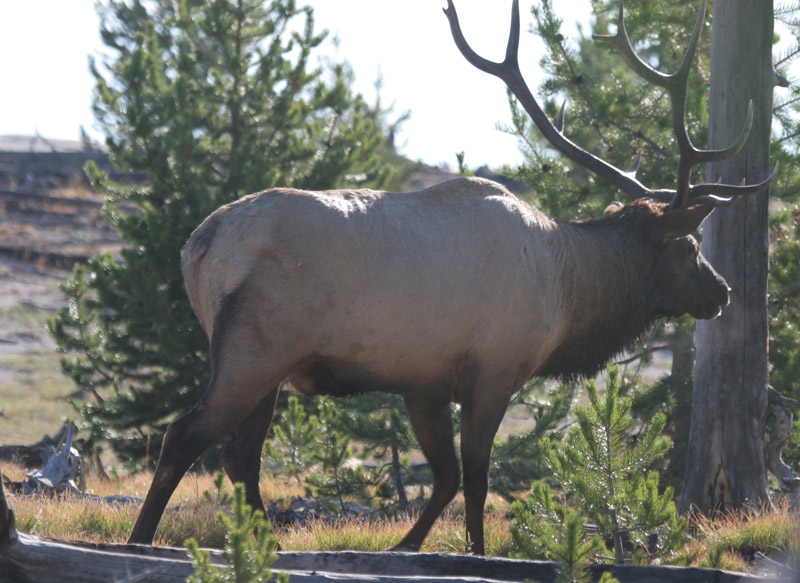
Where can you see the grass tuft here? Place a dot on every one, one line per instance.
(731, 540)
(342, 534)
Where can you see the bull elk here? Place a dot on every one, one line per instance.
(457, 293)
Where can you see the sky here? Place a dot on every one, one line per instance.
(46, 86)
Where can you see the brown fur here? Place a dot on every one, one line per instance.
(460, 292)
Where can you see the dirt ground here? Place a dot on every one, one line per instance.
(41, 237)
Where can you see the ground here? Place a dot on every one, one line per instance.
(40, 239)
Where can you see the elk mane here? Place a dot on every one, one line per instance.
(599, 333)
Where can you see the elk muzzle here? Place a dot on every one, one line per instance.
(716, 294)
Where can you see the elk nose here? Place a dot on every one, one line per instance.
(724, 295)
(717, 297)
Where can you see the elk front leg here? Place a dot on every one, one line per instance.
(434, 430)
(479, 424)
(241, 458)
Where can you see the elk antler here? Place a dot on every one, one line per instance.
(676, 85)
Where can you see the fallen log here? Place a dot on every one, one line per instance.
(62, 472)
(31, 559)
(32, 456)
(420, 565)
(34, 559)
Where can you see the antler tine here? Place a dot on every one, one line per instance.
(512, 48)
(676, 85)
(635, 167)
(622, 43)
(561, 113)
(509, 72)
(738, 144)
(474, 58)
(724, 194)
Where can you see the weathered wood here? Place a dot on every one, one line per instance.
(31, 456)
(34, 559)
(63, 471)
(780, 409)
(725, 465)
(8, 528)
(485, 568)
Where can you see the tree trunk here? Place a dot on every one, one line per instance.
(725, 464)
(682, 375)
(397, 476)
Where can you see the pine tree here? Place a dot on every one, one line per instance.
(295, 443)
(380, 422)
(247, 557)
(784, 318)
(543, 528)
(606, 477)
(338, 479)
(209, 100)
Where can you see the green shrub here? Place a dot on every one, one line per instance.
(604, 480)
(247, 557)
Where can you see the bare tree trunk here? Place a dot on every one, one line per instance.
(397, 476)
(682, 375)
(725, 464)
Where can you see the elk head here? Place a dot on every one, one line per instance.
(694, 287)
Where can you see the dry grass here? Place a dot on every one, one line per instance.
(75, 518)
(193, 513)
(730, 541)
(446, 536)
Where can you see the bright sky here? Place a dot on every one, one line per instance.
(44, 48)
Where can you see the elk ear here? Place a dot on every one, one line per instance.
(679, 223)
(613, 207)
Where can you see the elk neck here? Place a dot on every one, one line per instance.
(609, 292)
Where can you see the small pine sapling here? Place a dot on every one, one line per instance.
(544, 528)
(338, 480)
(380, 423)
(219, 496)
(607, 479)
(295, 445)
(247, 558)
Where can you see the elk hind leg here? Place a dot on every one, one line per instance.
(241, 458)
(434, 430)
(186, 438)
(231, 397)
